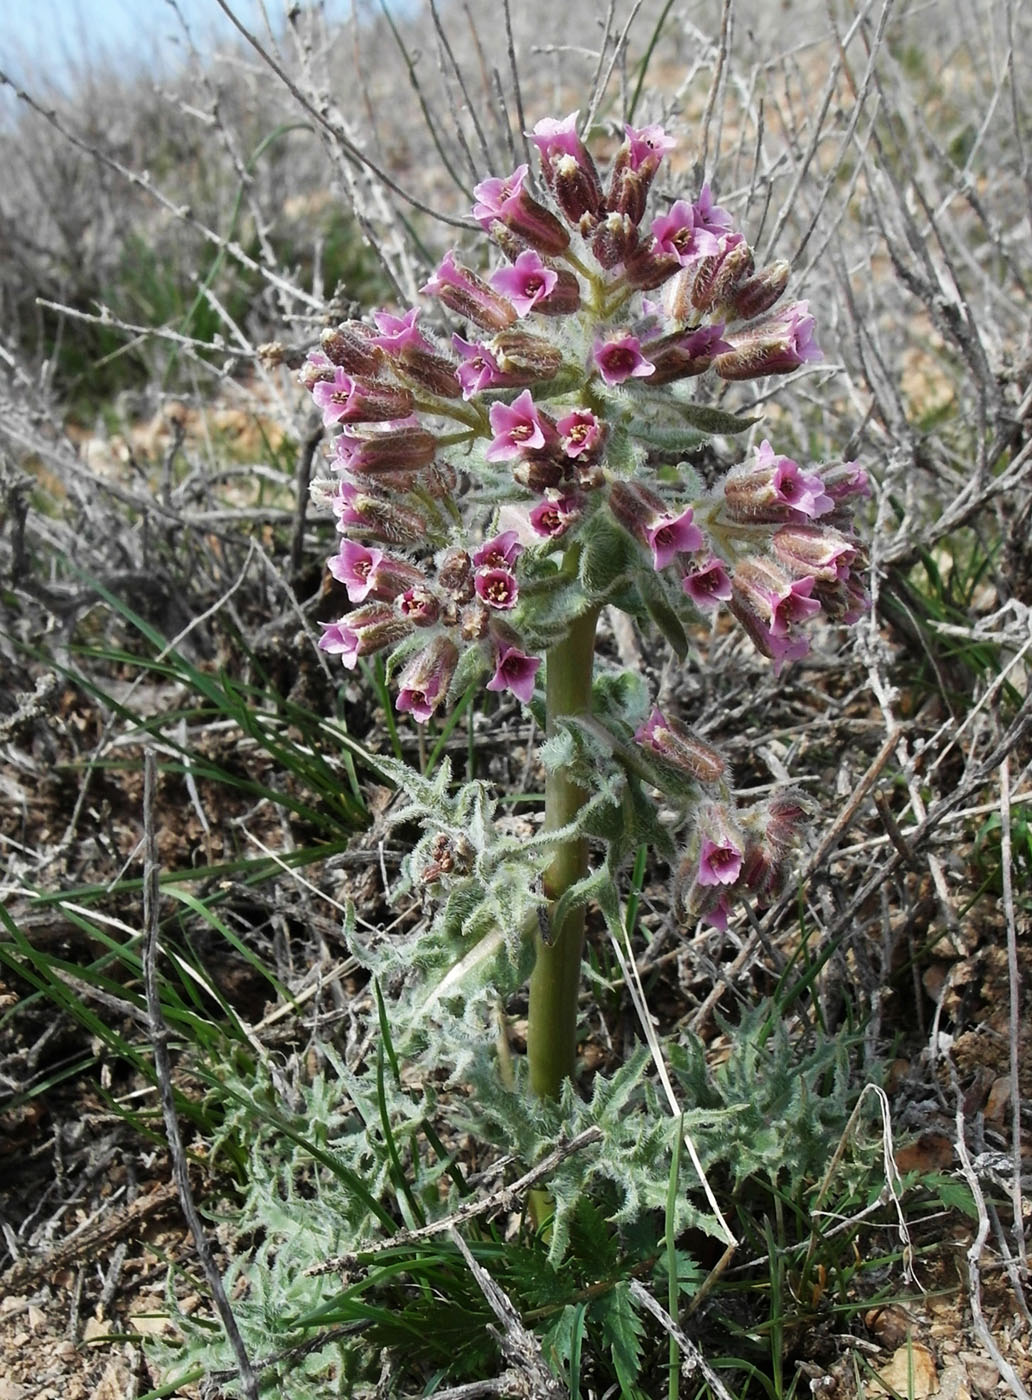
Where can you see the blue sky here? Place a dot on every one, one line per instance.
(56, 36)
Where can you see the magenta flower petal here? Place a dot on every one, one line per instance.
(579, 432)
(708, 585)
(515, 671)
(517, 428)
(498, 552)
(720, 861)
(620, 358)
(355, 567)
(526, 282)
(671, 535)
(497, 588)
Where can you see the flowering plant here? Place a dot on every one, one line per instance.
(565, 416)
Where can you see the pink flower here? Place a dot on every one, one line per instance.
(620, 358)
(339, 640)
(517, 428)
(647, 145)
(710, 216)
(707, 585)
(505, 201)
(793, 604)
(497, 588)
(817, 550)
(671, 535)
(720, 855)
(479, 369)
(555, 138)
(398, 333)
(424, 682)
(355, 567)
(553, 518)
(568, 169)
(679, 235)
(499, 552)
(579, 432)
(772, 486)
(527, 282)
(333, 395)
(515, 671)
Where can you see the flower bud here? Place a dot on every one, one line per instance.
(402, 449)
(615, 239)
(350, 347)
(681, 748)
(508, 203)
(363, 631)
(717, 276)
(424, 682)
(468, 295)
(455, 575)
(568, 169)
(759, 293)
(776, 346)
(524, 357)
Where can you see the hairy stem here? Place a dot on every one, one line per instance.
(555, 981)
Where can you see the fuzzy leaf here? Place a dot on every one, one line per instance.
(607, 559)
(714, 420)
(669, 624)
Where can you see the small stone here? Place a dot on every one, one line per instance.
(982, 1374)
(911, 1372)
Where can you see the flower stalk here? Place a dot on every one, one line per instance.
(555, 981)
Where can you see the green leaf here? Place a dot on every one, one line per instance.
(663, 615)
(607, 558)
(714, 420)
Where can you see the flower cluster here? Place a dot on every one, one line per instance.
(565, 411)
(564, 353)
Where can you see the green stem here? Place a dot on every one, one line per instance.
(555, 981)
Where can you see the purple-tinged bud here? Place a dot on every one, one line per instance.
(430, 371)
(497, 588)
(350, 346)
(753, 603)
(540, 473)
(419, 605)
(589, 476)
(634, 169)
(474, 621)
(468, 295)
(846, 600)
(568, 169)
(776, 346)
(680, 747)
(424, 682)
(553, 517)
(515, 671)
(757, 294)
(818, 551)
(505, 201)
(581, 433)
(783, 818)
(687, 353)
(707, 584)
(635, 507)
(717, 276)
(455, 575)
(499, 552)
(619, 358)
(347, 400)
(397, 449)
(648, 268)
(524, 358)
(362, 632)
(772, 489)
(376, 517)
(615, 240)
